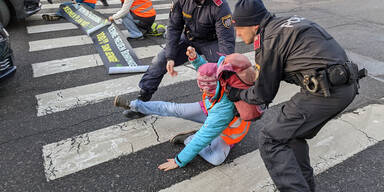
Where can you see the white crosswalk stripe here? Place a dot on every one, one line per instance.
(245, 173)
(108, 10)
(68, 26)
(86, 61)
(38, 17)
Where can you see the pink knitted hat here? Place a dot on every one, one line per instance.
(206, 77)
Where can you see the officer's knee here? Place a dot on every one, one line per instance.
(266, 142)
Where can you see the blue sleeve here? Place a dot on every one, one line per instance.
(199, 61)
(174, 29)
(218, 119)
(224, 30)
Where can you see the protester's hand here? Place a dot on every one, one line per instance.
(110, 18)
(191, 53)
(170, 66)
(169, 165)
(233, 94)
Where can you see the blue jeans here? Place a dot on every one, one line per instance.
(130, 25)
(215, 153)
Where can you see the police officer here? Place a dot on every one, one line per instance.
(298, 51)
(203, 24)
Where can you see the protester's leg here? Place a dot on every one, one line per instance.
(155, 73)
(300, 118)
(215, 153)
(130, 25)
(189, 111)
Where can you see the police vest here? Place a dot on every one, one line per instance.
(237, 128)
(142, 8)
(90, 1)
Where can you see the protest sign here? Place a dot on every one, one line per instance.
(114, 50)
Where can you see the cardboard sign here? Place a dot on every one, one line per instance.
(114, 50)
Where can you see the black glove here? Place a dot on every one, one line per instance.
(233, 94)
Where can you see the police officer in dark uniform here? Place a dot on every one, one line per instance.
(298, 51)
(205, 25)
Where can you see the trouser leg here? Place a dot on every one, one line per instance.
(301, 150)
(215, 153)
(299, 118)
(144, 23)
(189, 111)
(155, 73)
(130, 25)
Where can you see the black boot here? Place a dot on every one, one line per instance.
(144, 95)
(180, 138)
(132, 114)
(124, 102)
(104, 2)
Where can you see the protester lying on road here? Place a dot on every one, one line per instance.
(58, 15)
(221, 128)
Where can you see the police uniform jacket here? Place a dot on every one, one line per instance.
(208, 22)
(286, 45)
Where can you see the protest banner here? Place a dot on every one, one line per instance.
(113, 48)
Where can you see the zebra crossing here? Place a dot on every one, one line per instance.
(80, 152)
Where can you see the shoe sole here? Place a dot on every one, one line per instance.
(115, 101)
(172, 140)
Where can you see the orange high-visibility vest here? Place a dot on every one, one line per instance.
(142, 8)
(90, 1)
(237, 128)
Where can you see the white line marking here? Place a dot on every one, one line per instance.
(61, 100)
(86, 61)
(80, 152)
(337, 141)
(110, 2)
(37, 17)
(67, 26)
(107, 10)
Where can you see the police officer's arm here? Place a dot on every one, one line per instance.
(174, 29)
(224, 30)
(266, 86)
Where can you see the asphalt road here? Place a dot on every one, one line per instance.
(357, 25)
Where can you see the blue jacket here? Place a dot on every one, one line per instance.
(206, 22)
(219, 116)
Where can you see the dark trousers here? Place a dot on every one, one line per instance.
(282, 143)
(145, 23)
(153, 76)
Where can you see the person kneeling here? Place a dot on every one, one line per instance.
(138, 17)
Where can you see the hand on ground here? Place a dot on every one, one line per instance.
(169, 165)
